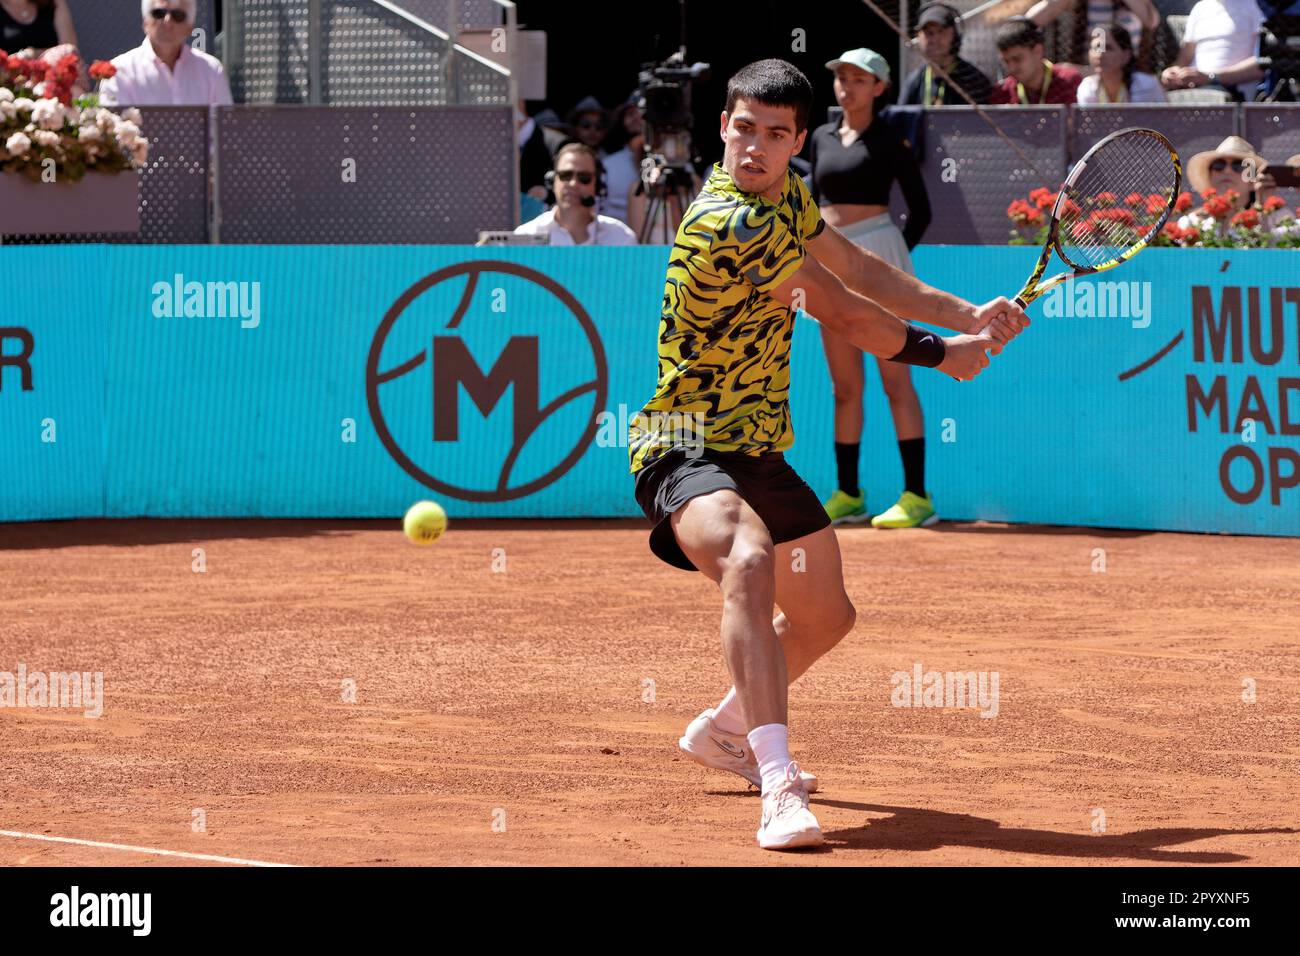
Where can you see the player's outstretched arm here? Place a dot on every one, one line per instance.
(871, 328)
(906, 295)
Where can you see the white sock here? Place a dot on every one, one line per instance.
(727, 717)
(771, 744)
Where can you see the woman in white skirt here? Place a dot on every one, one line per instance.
(854, 163)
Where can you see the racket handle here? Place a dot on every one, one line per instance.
(1019, 301)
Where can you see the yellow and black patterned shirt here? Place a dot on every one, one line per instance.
(724, 342)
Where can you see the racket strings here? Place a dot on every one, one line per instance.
(1119, 200)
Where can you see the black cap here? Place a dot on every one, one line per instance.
(937, 13)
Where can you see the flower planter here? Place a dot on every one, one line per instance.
(98, 202)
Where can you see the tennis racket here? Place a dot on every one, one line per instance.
(1116, 199)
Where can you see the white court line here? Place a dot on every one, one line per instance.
(137, 849)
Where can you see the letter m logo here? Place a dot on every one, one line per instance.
(453, 367)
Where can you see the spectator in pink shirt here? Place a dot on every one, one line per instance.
(164, 70)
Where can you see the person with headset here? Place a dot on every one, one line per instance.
(938, 33)
(573, 220)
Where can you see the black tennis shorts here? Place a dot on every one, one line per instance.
(768, 484)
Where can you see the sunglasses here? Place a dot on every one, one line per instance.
(566, 175)
(1219, 165)
(178, 16)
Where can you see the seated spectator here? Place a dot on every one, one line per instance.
(573, 221)
(589, 122)
(1135, 16)
(164, 70)
(939, 35)
(554, 131)
(1031, 78)
(622, 169)
(1219, 48)
(34, 26)
(534, 157)
(1233, 173)
(1117, 79)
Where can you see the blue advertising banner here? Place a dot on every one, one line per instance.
(327, 381)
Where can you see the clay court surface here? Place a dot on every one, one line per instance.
(522, 691)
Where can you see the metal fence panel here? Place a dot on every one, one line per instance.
(1190, 128)
(173, 186)
(267, 51)
(972, 175)
(422, 175)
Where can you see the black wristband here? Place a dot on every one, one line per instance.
(922, 347)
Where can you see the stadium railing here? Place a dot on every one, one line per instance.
(439, 174)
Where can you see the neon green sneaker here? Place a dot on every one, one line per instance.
(843, 508)
(911, 511)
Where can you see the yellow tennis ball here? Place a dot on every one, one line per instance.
(425, 522)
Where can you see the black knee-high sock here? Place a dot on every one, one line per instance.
(912, 451)
(846, 465)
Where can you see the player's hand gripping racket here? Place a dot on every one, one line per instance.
(1097, 222)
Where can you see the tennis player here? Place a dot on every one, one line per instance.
(719, 493)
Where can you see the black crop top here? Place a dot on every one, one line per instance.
(865, 170)
(40, 33)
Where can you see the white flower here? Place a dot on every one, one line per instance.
(90, 134)
(6, 95)
(23, 104)
(18, 144)
(46, 138)
(132, 115)
(105, 119)
(48, 114)
(140, 151)
(7, 110)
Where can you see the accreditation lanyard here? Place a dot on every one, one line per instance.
(932, 98)
(1047, 81)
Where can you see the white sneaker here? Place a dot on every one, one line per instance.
(704, 743)
(787, 821)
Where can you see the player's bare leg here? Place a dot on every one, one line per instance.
(728, 542)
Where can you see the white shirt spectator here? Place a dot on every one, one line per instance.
(601, 231)
(144, 80)
(621, 171)
(1143, 88)
(1225, 33)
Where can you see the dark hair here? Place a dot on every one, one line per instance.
(1124, 40)
(1018, 31)
(773, 83)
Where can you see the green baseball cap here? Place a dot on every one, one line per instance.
(863, 59)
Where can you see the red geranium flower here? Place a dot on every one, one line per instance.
(1042, 197)
(1155, 204)
(102, 70)
(1248, 218)
(1183, 202)
(1133, 199)
(1274, 203)
(1105, 199)
(1209, 192)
